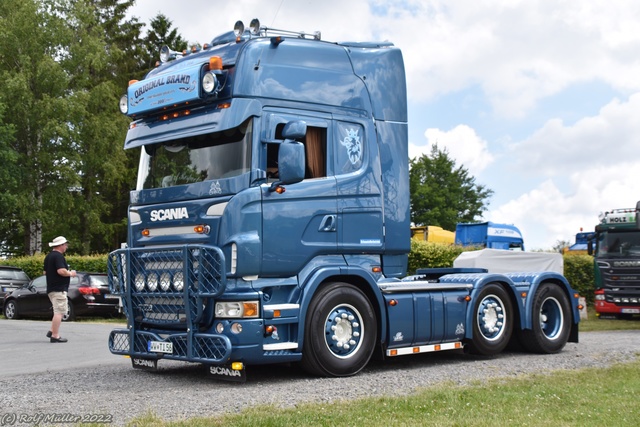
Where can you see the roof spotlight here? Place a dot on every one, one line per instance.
(238, 28)
(255, 26)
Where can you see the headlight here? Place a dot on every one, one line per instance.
(599, 297)
(237, 309)
(124, 104)
(209, 83)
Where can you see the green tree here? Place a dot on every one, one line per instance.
(442, 193)
(33, 87)
(99, 61)
(161, 34)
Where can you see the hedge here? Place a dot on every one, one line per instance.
(34, 265)
(578, 269)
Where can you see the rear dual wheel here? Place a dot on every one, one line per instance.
(551, 321)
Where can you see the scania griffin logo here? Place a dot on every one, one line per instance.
(166, 214)
(626, 263)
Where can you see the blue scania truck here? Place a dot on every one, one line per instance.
(270, 222)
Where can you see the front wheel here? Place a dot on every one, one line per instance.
(11, 310)
(340, 331)
(492, 322)
(551, 321)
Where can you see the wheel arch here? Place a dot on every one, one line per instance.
(570, 293)
(353, 276)
(559, 281)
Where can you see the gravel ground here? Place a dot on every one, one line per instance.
(179, 391)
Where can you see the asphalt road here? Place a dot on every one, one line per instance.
(24, 348)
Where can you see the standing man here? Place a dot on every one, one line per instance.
(58, 278)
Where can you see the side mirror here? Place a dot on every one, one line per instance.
(590, 246)
(291, 155)
(290, 163)
(295, 130)
(637, 216)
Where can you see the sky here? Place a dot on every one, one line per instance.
(538, 99)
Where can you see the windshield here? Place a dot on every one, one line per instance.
(619, 244)
(203, 157)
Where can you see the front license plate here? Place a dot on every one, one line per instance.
(160, 347)
(630, 311)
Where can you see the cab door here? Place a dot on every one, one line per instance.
(301, 222)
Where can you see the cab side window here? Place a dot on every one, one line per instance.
(315, 143)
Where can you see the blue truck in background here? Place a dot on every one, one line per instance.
(489, 235)
(270, 222)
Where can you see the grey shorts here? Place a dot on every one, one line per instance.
(59, 302)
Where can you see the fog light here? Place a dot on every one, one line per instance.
(165, 281)
(219, 328)
(178, 281)
(139, 283)
(236, 328)
(152, 282)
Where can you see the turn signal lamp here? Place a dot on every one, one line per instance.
(269, 330)
(393, 302)
(250, 309)
(146, 232)
(376, 269)
(523, 294)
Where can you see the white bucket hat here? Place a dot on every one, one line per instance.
(60, 240)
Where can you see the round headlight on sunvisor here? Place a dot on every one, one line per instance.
(209, 83)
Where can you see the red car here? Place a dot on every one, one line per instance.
(88, 296)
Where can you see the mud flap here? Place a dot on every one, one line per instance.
(144, 364)
(224, 372)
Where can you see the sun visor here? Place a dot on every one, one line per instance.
(207, 120)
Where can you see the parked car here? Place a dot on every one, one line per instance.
(88, 296)
(11, 278)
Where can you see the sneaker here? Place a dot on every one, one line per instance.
(49, 334)
(59, 339)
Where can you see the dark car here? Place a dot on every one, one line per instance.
(88, 296)
(11, 278)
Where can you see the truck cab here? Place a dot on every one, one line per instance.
(616, 251)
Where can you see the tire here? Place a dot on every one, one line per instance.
(71, 315)
(492, 321)
(11, 310)
(340, 332)
(551, 321)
